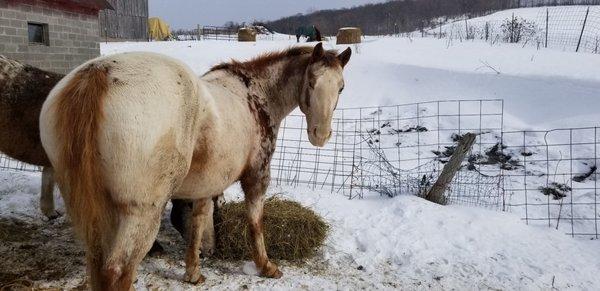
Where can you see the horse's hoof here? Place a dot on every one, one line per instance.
(271, 271)
(194, 278)
(156, 250)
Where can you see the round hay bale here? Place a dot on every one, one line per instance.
(246, 34)
(349, 35)
(292, 232)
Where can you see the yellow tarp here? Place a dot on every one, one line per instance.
(158, 29)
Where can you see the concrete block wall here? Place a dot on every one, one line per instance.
(73, 37)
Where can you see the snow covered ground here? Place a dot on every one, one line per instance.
(399, 243)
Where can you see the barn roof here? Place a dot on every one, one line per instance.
(91, 5)
(95, 4)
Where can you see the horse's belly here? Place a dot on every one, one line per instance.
(208, 183)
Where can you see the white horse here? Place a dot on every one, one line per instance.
(127, 132)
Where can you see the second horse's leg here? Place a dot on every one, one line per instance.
(197, 223)
(47, 195)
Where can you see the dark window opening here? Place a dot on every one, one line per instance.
(38, 33)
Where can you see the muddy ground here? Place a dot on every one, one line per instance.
(44, 255)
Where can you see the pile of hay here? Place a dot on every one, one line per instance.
(349, 35)
(292, 232)
(246, 34)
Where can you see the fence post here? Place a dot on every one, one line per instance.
(436, 193)
(512, 29)
(547, 19)
(582, 28)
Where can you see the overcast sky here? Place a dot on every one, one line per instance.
(189, 13)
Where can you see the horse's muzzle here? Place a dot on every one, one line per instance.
(319, 137)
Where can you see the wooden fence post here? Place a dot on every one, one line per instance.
(436, 193)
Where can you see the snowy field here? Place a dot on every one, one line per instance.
(375, 243)
(541, 88)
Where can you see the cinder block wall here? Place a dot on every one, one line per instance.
(73, 37)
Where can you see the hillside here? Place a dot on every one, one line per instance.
(403, 16)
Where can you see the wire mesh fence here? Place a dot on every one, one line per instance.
(555, 180)
(568, 28)
(393, 150)
(573, 29)
(548, 178)
(7, 163)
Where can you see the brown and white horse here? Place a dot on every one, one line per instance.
(128, 132)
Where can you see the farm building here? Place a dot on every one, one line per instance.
(55, 35)
(127, 21)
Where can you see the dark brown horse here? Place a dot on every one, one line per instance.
(24, 90)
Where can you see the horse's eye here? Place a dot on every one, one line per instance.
(311, 84)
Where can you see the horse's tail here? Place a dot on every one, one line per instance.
(79, 114)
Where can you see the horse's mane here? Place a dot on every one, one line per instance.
(259, 63)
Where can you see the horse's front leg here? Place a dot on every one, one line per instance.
(201, 210)
(255, 186)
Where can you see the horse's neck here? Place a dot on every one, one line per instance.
(275, 89)
(279, 89)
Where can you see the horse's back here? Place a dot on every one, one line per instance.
(149, 115)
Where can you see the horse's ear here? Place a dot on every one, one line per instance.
(318, 52)
(344, 57)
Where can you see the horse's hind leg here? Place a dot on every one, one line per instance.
(132, 239)
(47, 195)
(202, 209)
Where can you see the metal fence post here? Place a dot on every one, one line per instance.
(547, 18)
(582, 28)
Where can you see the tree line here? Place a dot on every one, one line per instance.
(404, 16)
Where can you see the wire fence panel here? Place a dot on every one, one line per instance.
(573, 29)
(556, 181)
(568, 28)
(548, 178)
(6, 163)
(391, 150)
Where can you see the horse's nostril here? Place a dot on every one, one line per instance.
(329, 136)
(314, 131)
